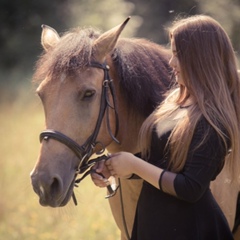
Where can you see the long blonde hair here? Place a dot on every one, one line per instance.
(209, 70)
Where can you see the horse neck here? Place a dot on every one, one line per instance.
(129, 126)
(130, 121)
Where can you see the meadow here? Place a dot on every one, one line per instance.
(21, 215)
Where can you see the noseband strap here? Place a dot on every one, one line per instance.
(85, 151)
(77, 149)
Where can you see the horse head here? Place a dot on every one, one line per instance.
(79, 106)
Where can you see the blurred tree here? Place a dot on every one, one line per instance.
(157, 15)
(20, 23)
(20, 27)
(104, 15)
(227, 12)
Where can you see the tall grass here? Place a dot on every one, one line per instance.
(21, 216)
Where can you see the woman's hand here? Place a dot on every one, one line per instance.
(121, 164)
(100, 174)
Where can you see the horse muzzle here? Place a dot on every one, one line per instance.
(50, 189)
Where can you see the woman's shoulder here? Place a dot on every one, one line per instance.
(203, 126)
(205, 130)
(208, 137)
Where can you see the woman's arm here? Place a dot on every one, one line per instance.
(123, 164)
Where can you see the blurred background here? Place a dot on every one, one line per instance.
(21, 115)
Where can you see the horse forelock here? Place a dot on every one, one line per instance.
(144, 73)
(74, 51)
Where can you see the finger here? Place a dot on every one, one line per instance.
(96, 176)
(113, 173)
(100, 182)
(110, 168)
(108, 162)
(99, 166)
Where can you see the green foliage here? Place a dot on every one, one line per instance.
(21, 216)
(20, 26)
(103, 14)
(20, 23)
(158, 14)
(227, 12)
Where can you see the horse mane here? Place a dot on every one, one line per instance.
(141, 65)
(144, 73)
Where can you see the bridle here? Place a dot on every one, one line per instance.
(85, 151)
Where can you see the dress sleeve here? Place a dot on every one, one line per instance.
(203, 164)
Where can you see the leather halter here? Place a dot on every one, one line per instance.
(85, 151)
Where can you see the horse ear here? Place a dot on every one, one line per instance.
(107, 41)
(49, 37)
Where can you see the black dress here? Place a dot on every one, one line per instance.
(194, 214)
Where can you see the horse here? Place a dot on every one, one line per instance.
(96, 90)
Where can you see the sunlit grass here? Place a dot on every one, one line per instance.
(21, 216)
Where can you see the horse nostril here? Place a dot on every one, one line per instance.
(56, 186)
(49, 188)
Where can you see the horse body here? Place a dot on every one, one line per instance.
(71, 94)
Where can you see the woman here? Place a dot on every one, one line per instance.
(188, 139)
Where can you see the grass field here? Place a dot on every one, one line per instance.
(21, 216)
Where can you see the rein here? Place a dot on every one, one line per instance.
(85, 151)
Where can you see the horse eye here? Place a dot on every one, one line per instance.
(88, 94)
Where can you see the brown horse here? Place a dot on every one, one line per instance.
(85, 113)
